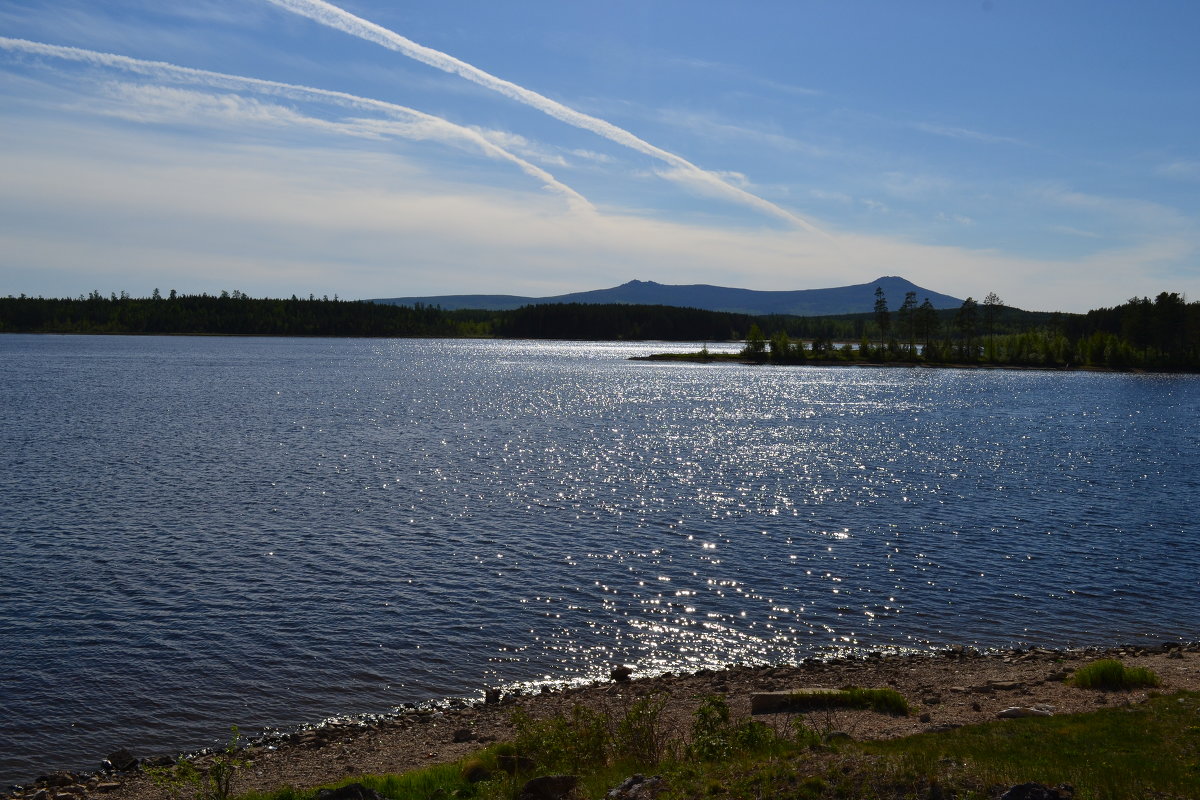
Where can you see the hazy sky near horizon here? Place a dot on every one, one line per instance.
(1049, 152)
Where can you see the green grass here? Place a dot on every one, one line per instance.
(1125, 752)
(885, 701)
(1146, 750)
(1113, 675)
(443, 780)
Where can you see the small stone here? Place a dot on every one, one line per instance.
(107, 786)
(1175, 654)
(925, 717)
(491, 697)
(464, 735)
(1006, 686)
(1018, 712)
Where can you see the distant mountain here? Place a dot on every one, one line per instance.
(856, 299)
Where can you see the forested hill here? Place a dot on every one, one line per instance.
(801, 302)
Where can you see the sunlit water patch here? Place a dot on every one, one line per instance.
(201, 532)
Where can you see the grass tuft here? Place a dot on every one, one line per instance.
(1112, 675)
(884, 701)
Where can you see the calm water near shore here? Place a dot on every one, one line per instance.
(200, 532)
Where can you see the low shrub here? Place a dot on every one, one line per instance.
(641, 736)
(1112, 675)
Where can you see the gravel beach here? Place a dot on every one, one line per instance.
(955, 687)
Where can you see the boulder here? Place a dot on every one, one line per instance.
(464, 735)
(1039, 791)
(120, 761)
(621, 673)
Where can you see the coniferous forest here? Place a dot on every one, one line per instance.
(1153, 334)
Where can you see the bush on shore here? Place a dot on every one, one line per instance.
(1112, 675)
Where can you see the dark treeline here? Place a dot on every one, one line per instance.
(236, 314)
(229, 314)
(1161, 334)
(618, 321)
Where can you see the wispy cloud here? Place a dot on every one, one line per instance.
(951, 132)
(419, 124)
(516, 143)
(957, 219)
(723, 130)
(340, 19)
(1071, 231)
(1180, 170)
(1149, 217)
(744, 75)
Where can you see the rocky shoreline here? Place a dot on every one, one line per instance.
(954, 687)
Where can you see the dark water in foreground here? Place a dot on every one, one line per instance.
(202, 532)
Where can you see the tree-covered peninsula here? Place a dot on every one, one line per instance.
(1162, 334)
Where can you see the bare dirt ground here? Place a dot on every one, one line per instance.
(957, 687)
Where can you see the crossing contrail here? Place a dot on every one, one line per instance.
(428, 126)
(340, 19)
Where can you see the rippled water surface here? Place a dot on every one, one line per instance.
(202, 532)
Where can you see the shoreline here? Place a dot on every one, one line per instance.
(949, 688)
(738, 359)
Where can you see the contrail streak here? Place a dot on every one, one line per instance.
(340, 19)
(436, 127)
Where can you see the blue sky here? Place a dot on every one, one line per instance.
(1047, 151)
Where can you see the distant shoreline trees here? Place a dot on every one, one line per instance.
(1158, 334)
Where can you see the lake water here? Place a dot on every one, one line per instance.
(199, 532)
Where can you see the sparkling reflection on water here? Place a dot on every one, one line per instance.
(202, 532)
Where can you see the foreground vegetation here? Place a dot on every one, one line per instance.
(1158, 334)
(1147, 750)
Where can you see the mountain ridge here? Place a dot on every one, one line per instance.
(852, 299)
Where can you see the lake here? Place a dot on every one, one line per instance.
(200, 532)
